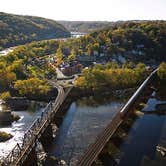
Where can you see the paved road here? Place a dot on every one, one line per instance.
(60, 74)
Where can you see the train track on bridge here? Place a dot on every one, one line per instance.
(20, 152)
(94, 149)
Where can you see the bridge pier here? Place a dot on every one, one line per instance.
(31, 159)
(58, 121)
(58, 118)
(47, 137)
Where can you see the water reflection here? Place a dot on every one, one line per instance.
(84, 120)
(138, 144)
(142, 143)
(97, 100)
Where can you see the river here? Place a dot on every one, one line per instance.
(138, 145)
(17, 129)
(83, 121)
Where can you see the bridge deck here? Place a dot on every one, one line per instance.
(94, 150)
(20, 152)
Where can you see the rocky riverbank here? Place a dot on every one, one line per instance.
(17, 103)
(7, 117)
(78, 92)
(4, 136)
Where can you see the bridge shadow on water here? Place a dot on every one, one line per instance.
(56, 146)
(63, 130)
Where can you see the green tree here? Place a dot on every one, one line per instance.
(59, 56)
(32, 87)
(162, 71)
(72, 55)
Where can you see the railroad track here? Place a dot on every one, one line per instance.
(94, 149)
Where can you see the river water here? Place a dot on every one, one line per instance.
(17, 129)
(138, 145)
(84, 120)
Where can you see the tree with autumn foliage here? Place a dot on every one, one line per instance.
(108, 76)
(32, 87)
(59, 56)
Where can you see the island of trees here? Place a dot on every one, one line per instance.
(112, 77)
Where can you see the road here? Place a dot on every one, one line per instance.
(60, 75)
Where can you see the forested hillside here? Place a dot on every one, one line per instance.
(17, 29)
(143, 41)
(90, 26)
(135, 42)
(85, 26)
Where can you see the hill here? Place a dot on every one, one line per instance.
(132, 40)
(136, 42)
(84, 26)
(115, 47)
(18, 29)
(90, 26)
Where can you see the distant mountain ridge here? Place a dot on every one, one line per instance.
(90, 26)
(18, 29)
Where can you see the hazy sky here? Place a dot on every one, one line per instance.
(110, 10)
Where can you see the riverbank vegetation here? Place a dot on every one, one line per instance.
(111, 76)
(32, 87)
(162, 71)
(134, 41)
(24, 72)
(161, 81)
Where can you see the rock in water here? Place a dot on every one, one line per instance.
(4, 136)
(7, 117)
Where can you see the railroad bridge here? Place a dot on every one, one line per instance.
(94, 149)
(24, 154)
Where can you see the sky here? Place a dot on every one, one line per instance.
(88, 10)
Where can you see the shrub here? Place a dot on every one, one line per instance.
(5, 95)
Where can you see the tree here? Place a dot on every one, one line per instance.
(110, 77)
(162, 71)
(6, 78)
(32, 87)
(72, 56)
(59, 56)
(129, 65)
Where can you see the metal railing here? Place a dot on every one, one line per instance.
(19, 153)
